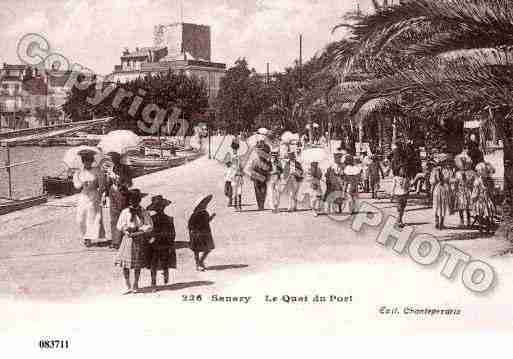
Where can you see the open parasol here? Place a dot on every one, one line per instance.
(253, 140)
(201, 203)
(314, 155)
(72, 158)
(119, 141)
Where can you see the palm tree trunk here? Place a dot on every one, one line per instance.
(507, 205)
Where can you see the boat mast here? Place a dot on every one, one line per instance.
(8, 168)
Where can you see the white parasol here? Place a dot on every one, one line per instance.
(286, 137)
(120, 141)
(253, 140)
(73, 159)
(314, 155)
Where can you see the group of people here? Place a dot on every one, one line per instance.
(460, 184)
(280, 172)
(141, 239)
(456, 184)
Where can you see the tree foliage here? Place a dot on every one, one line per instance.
(161, 92)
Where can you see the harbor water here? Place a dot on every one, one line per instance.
(27, 179)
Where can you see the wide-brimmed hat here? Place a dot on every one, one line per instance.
(263, 131)
(158, 202)
(202, 203)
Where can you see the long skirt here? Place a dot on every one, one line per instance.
(441, 199)
(131, 253)
(260, 193)
(118, 202)
(160, 257)
(89, 216)
(201, 241)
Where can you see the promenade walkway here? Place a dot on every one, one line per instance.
(258, 253)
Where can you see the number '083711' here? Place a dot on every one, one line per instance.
(53, 344)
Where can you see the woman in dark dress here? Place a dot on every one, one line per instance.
(200, 234)
(119, 180)
(161, 253)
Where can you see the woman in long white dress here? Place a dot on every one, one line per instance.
(90, 180)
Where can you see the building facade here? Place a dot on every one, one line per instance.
(30, 97)
(179, 48)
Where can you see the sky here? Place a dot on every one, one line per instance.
(93, 33)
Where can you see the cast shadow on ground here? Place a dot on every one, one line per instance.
(417, 209)
(411, 224)
(227, 266)
(177, 286)
(463, 236)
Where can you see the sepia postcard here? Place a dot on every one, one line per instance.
(254, 167)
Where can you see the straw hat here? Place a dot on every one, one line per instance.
(158, 202)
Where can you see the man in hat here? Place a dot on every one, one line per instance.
(292, 176)
(275, 180)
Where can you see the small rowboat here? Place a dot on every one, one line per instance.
(150, 161)
(11, 205)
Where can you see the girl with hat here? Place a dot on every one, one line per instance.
(136, 225)
(200, 234)
(161, 253)
(312, 187)
(90, 180)
(440, 179)
(237, 181)
(462, 182)
(482, 202)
